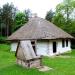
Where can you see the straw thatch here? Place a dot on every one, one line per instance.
(38, 28)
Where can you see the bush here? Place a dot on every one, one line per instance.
(3, 40)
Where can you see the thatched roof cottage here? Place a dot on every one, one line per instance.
(45, 38)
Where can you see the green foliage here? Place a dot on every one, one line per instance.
(11, 19)
(66, 7)
(2, 38)
(59, 20)
(20, 19)
(63, 16)
(7, 13)
(61, 66)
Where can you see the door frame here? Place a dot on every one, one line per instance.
(54, 46)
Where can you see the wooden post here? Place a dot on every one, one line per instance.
(17, 48)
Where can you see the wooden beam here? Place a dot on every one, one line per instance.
(17, 48)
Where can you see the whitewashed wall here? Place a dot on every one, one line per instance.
(42, 48)
(61, 49)
(14, 46)
(46, 48)
(51, 48)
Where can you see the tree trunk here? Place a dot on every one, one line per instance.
(1, 29)
(67, 14)
(7, 26)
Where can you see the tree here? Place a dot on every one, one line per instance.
(0, 22)
(20, 19)
(49, 15)
(8, 11)
(59, 20)
(66, 8)
(63, 15)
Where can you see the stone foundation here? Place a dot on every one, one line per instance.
(29, 63)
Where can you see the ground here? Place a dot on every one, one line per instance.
(62, 65)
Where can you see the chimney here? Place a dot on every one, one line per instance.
(33, 15)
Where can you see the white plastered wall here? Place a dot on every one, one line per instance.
(42, 48)
(61, 49)
(14, 46)
(49, 50)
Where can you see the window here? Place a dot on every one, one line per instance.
(67, 43)
(63, 43)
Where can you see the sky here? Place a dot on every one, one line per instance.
(41, 7)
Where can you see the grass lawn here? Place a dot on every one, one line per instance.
(61, 66)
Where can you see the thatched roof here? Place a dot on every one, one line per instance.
(38, 28)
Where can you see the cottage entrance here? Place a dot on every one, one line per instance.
(54, 47)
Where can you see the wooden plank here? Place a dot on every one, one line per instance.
(25, 50)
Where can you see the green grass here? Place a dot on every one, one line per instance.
(61, 66)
